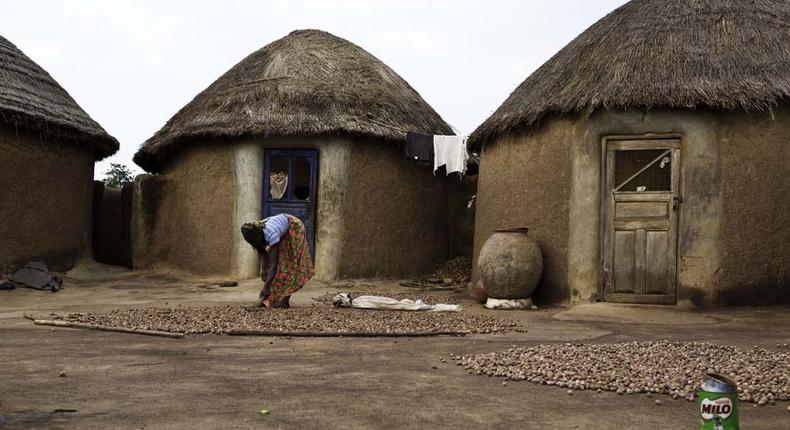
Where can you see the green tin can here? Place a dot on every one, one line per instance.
(717, 403)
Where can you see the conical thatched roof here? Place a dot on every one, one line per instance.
(721, 54)
(30, 99)
(309, 83)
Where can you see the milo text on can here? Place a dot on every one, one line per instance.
(717, 403)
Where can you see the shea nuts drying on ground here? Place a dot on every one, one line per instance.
(218, 319)
(672, 368)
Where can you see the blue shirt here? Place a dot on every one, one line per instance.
(274, 228)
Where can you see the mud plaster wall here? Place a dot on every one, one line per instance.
(699, 217)
(148, 195)
(395, 215)
(461, 215)
(755, 155)
(45, 193)
(183, 218)
(525, 181)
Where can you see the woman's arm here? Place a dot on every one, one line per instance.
(274, 259)
(262, 266)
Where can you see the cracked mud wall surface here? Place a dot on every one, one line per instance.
(46, 191)
(755, 154)
(525, 181)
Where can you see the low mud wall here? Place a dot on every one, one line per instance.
(183, 218)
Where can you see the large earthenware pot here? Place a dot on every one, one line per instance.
(510, 264)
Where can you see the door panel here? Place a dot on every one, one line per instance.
(290, 180)
(624, 252)
(658, 278)
(630, 210)
(640, 230)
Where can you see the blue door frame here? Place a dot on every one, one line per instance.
(296, 201)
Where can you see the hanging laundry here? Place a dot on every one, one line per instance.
(450, 151)
(419, 148)
(278, 183)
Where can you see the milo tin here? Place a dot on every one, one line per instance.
(717, 402)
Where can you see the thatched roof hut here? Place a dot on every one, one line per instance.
(30, 99)
(48, 148)
(309, 83)
(325, 120)
(721, 54)
(649, 157)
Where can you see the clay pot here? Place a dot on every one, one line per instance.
(510, 264)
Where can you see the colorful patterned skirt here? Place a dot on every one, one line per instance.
(295, 267)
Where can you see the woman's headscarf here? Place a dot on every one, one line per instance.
(253, 234)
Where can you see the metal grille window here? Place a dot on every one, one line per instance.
(643, 170)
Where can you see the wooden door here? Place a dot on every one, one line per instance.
(641, 217)
(290, 179)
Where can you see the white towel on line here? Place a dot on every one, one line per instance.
(450, 151)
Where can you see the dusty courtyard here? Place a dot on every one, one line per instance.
(115, 380)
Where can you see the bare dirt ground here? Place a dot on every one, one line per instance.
(115, 380)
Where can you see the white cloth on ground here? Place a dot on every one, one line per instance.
(450, 151)
(492, 303)
(344, 300)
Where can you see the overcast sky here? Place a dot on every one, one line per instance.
(131, 64)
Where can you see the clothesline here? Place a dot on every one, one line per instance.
(437, 151)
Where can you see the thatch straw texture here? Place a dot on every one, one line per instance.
(309, 83)
(720, 54)
(30, 99)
